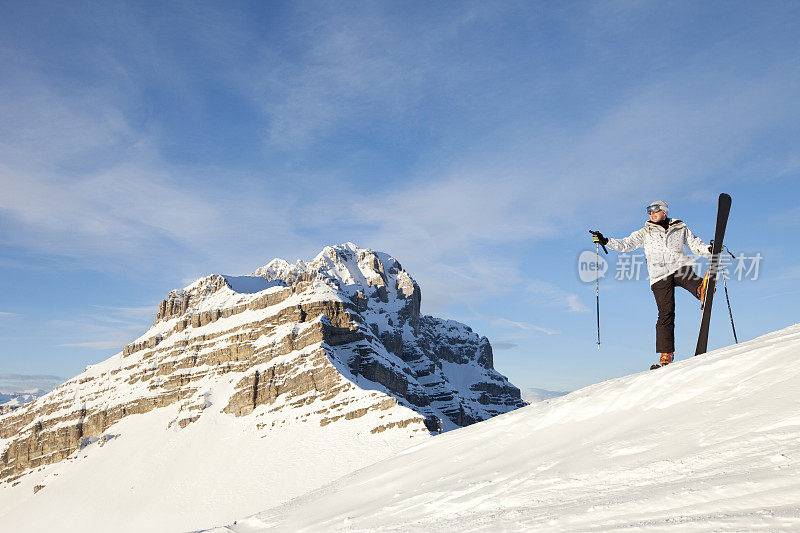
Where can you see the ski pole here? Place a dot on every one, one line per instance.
(597, 288)
(725, 286)
(597, 280)
(730, 312)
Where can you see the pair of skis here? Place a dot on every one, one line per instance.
(723, 210)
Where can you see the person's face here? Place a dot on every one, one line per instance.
(658, 216)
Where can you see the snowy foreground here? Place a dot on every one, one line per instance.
(709, 443)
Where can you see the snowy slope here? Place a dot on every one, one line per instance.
(710, 443)
(141, 477)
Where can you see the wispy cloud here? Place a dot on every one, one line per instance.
(96, 345)
(13, 383)
(144, 312)
(499, 321)
(548, 294)
(786, 217)
(350, 66)
(790, 273)
(85, 178)
(111, 328)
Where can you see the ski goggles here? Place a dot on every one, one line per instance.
(655, 208)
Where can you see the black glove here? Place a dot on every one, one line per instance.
(598, 237)
(711, 247)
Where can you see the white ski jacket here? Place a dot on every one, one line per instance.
(663, 249)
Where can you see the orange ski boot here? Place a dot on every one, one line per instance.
(702, 289)
(666, 358)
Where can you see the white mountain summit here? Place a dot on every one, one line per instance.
(246, 391)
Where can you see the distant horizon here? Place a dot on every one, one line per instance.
(21, 383)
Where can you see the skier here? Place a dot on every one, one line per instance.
(663, 240)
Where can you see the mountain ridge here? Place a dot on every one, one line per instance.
(337, 344)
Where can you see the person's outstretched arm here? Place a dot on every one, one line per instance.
(628, 244)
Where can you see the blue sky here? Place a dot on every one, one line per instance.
(143, 145)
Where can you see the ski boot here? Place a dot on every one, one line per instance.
(702, 289)
(666, 358)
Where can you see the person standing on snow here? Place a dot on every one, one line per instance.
(664, 240)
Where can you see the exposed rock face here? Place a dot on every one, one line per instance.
(323, 342)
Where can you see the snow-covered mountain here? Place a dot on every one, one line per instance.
(12, 400)
(19, 389)
(711, 443)
(245, 392)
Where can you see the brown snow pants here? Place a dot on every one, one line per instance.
(664, 292)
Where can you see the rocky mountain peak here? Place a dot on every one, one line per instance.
(349, 268)
(372, 280)
(338, 340)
